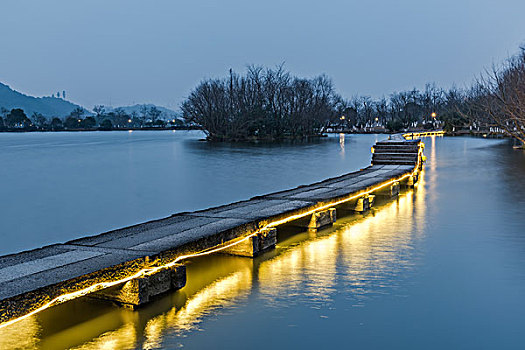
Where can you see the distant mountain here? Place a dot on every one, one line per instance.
(58, 107)
(47, 106)
(166, 112)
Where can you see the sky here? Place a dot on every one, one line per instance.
(122, 52)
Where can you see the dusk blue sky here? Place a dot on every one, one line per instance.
(125, 52)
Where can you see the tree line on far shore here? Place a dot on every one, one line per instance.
(78, 119)
(272, 104)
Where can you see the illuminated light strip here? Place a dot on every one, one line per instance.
(423, 134)
(103, 285)
(151, 270)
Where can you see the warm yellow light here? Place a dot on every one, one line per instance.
(412, 135)
(129, 120)
(343, 117)
(434, 114)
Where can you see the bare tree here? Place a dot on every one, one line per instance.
(100, 111)
(39, 120)
(500, 93)
(263, 104)
(77, 113)
(120, 118)
(144, 110)
(154, 113)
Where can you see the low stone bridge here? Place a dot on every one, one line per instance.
(134, 264)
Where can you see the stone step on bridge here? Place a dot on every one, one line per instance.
(133, 265)
(389, 153)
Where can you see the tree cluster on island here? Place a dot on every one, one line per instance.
(263, 104)
(78, 119)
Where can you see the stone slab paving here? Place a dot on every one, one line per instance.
(54, 264)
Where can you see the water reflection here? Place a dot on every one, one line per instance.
(223, 293)
(122, 338)
(361, 256)
(21, 335)
(512, 170)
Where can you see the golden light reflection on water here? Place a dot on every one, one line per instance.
(361, 255)
(433, 159)
(308, 268)
(22, 335)
(222, 293)
(363, 252)
(377, 248)
(76, 325)
(122, 338)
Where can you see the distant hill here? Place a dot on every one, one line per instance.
(47, 106)
(166, 112)
(58, 107)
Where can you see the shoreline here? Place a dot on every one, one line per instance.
(484, 134)
(20, 131)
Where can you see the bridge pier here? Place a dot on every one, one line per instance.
(142, 290)
(359, 205)
(362, 204)
(389, 191)
(317, 220)
(255, 245)
(411, 181)
(322, 219)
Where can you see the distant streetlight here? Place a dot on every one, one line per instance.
(433, 114)
(129, 120)
(342, 117)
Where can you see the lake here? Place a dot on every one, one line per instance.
(441, 266)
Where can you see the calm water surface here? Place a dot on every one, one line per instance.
(59, 186)
(441, 266)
